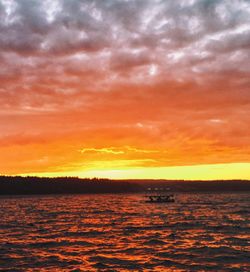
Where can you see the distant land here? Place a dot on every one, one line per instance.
(17, 185)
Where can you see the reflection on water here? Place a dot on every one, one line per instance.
(199, 232)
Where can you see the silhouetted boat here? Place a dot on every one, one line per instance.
(158, 195)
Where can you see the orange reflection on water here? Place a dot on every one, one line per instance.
(122, 233)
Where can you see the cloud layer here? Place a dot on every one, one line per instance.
(173, 73)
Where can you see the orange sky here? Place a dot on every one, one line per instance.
(125, 89)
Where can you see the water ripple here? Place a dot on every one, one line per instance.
(122, 233)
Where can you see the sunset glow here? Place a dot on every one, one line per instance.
(125, 89)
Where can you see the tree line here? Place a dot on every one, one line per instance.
(18, 185)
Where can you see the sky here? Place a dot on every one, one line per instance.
(125, 88)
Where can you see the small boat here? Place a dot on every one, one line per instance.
(157, 195)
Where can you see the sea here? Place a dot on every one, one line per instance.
(120, 232)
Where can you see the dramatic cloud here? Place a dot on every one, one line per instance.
(162, 75)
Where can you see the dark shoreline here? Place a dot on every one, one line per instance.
(16, 185)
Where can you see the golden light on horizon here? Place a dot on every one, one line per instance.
(192, 172)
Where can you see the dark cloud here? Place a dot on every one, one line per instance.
(126, 60)
(82, 45)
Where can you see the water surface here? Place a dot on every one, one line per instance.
(200, 232)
